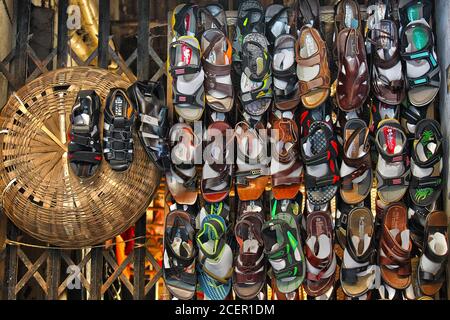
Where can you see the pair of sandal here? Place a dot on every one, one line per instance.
(418, 51)
(352, 87)
(85, 149)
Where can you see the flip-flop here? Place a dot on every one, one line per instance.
(308, 13)
(256, 79)
(285, 167)
(216, 174)
(283, 248)
(184, 20)
(85, 150)
(182, 176)
(188, 76)
(422, 66)
(284, 70)
(250, 19)
(216, 60)
(426, 163)
(252, 174)
(432, 266)
(215, 266)
(387, 79)
(277, 21)
(249, 275)
(319, 151)
(356, 167)
(212, 16)
(312, 68)
(392, 172)
(320, 255)
(179, 255)
(357, 272)
(152, 122)
(394, 254)
(352, 87)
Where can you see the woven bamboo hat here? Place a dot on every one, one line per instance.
(40, 193)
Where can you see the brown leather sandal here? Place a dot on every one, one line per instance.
(320, 255)
(249, 275)
(394, 254)
(286, 167)
(353, 71)
(310, 52)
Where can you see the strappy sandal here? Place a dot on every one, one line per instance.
(387, 78)
(149, 100)
(394, 255)
(285, 167)
(211, 16)
(308, 13)
(250, 19)
(357, 271)
(215, 267)
(422, 66)
(179, 255)
(216, 174)
(277, 22)
(312, 68)
(252, 174)
(188, 76)
(426, 163)
(341, 219)
(256, 80)
(411, 115)
(352, 87)
(118, 118)
(285, 82)
(356, 167)
(432, 266)
(413, 10)
(417, 217)
(309, 116)
(393, 162)
(283, 248)
(182, 176)
(84, 150)
(249, 275)
(320, 256)
(216, 60)
(319, 152)
(184, 20)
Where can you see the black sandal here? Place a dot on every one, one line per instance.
(152, 122)
(84, 151)
(117, 130)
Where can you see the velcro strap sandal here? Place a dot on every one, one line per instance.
(393, 172)
(319, 151)
(188, 76)
(426, 163)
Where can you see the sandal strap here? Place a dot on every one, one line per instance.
(270, 36)
(177, 71)
(179, 273)
(189, 183)
(350, 275)
(85, 156)
(213, 228)
(320, 182)
(428, 277)
(179, 25)
(347, 181)
(83, 140)
(384, 182)
(210, 16)
(189, 101)
(283, 178)
(244, 23)
(426, 182)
